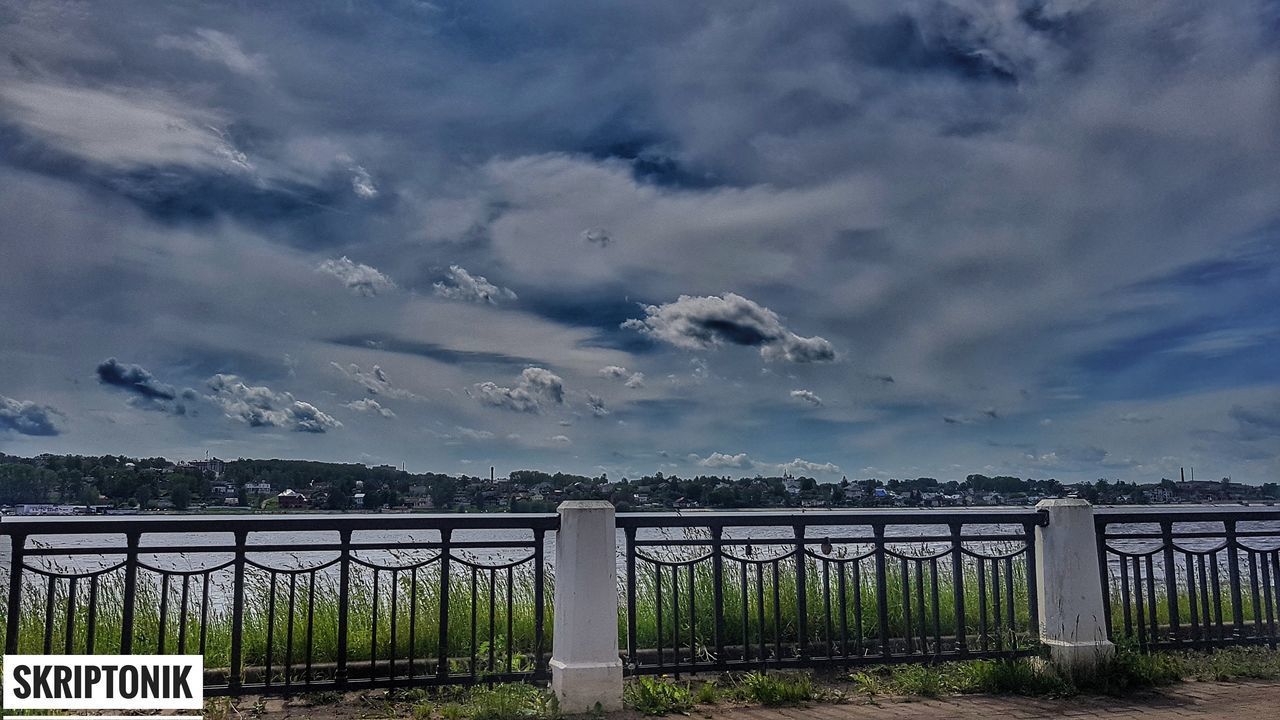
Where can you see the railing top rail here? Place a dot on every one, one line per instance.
(807, 517)
(311, 522)
(1104, 516)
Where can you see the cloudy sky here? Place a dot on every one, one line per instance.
(895, 239)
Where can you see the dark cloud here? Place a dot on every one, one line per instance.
(26, 417)
(433, 351)
(135, 379)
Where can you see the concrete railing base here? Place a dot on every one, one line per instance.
(587, 688)
(1076, 659)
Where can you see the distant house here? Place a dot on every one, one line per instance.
(291, 499)
(258, 488)
(357, 500)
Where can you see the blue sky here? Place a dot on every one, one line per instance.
(835, 238)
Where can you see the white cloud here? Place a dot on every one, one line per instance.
(807, 396)
(723, 460)
(633, 380)
(597, 236)
(260, 406)
(596, 403)
(370, 405)
(360, 279)
(362, 183)
(799, 466)
(216, 47)
(536, 389)
(700, 323)
(462, 285)
(374, 380)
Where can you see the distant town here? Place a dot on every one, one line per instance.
(109, 484)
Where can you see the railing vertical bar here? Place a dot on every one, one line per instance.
(237, 613)
(957, 588)
(71, 615)
(937, 611)
(1124, 596)
(1206, 629)
(675, 617)
(996, 604)
(51, 588)
(1104, 573)
(882, 588)
(857, 606)
(288, 635)
(842, 589)
(1193, 609)
(923, 623)
(1275, 581)
(1010, 616)
(413, 620)
(633, 658)
(717, 589)
(475, 580)
(1266, 600)
(91, 623)
(493, 608)
(828, 620)
(982, 602)
(511, 635)
(271, 629)
(746, 623)
(442, 648)
(777, 611)
(204, 611)
(1033, 596)
(130, 595)
(802, 592)
(1216, 584)
(183, 614)
(344, 607)
(394, 613)
(1170, 579)
(761, 636)
(1154, 635)
(311, 623)
(17, 552)
(539, 599)
(373, 623)
(908, 640)
(657, 592)
(1254, 594)
(1139, 601)
(164, 613)
(1233, 571)
(693, 617)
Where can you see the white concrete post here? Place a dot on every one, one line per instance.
(1072, 622)
(586, 670)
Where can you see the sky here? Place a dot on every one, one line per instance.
(889, 239)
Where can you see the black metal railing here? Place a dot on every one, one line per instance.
(749, 590)
(280, 605)
(1190, 578)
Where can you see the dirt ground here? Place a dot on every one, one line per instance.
(1237, 701)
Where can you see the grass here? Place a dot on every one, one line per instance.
(779, 689)
(653, 696)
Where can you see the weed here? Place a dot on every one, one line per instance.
(708, 693)
(777, 689)
(654, 696)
